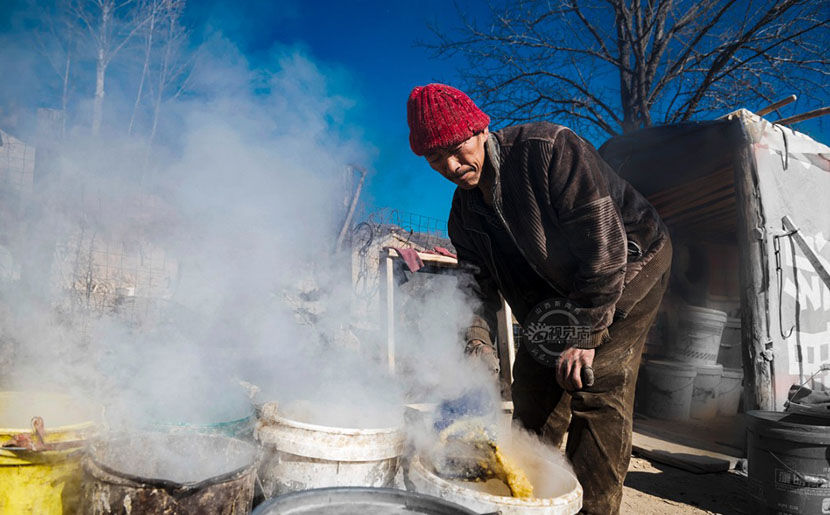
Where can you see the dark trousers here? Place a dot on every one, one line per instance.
(599, 435)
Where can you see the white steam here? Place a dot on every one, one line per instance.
(154, 283)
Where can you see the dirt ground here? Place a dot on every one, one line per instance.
(657, 489)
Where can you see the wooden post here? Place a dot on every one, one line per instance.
(777, 105)
(804, 116)
(506, 346)
(752, 241)
(387, 306)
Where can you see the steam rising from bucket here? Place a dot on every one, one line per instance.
(162, 279)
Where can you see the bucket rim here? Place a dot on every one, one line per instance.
(677, 367)
(271, 415)
(709, 312)
(768, 423)
(131, 479)
(315, 493)
(563, 500)
(86, 409)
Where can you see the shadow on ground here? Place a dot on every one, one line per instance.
(722, 492)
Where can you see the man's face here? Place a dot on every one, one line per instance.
(462, 163)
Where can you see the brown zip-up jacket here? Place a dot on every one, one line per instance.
(589, 235)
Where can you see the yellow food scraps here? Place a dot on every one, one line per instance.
(515, 478)
(493, 462)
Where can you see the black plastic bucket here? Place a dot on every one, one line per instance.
(365, 501)
(789, 463)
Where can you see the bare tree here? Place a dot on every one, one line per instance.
(110, 24)
(614, 66)
(150, 11)
(56, 39)
(175, 62)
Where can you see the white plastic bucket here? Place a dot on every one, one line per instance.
(729, 391)
(667, 389)
(730, 344)
(698, 336)
(566, 500)
(302, 456)
(705, 392)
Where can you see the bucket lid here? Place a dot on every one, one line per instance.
(733, 373)
(790, 427)
(362, 500)
(675, 367)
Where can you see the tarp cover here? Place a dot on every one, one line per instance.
(794, 181)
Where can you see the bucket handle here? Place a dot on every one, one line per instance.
(825, 367)
(809, 481)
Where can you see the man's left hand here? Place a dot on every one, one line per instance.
(574, 365)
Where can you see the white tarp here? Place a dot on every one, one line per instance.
(794, 181)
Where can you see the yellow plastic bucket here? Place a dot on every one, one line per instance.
(47, 481)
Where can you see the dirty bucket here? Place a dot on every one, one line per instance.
(46, 481)
(366, 501)
(729, 391)
(563, 498)
(667, 389)
(186, 474)
(302, 456)
(705, 392)
(788, 463)
(698, 336)
(729, 354)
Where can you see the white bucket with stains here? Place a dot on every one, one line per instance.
(301, 456)
(667, 388)
(704, 405)
(729, 391)
(562, 495)
(697, 341)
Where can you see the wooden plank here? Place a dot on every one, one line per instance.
(710, 182)
(808, 252)
(715, 207)
(697, 198)
(752, 254)
(681, 456)
(428, 257)
(717, 223)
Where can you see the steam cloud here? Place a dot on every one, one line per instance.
(152, 284)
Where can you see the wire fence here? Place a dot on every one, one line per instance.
(424, 231)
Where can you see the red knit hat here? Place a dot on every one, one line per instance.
(441, 116)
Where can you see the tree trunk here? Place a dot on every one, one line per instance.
(98, 102)
(65, 92)
(145, 69)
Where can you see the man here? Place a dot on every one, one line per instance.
(540, 215)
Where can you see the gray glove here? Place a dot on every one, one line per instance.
(486, 354)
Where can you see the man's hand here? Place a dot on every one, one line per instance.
(573, 366)
(485, 354)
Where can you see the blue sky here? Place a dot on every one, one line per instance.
(369, 49)
(373, 44)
